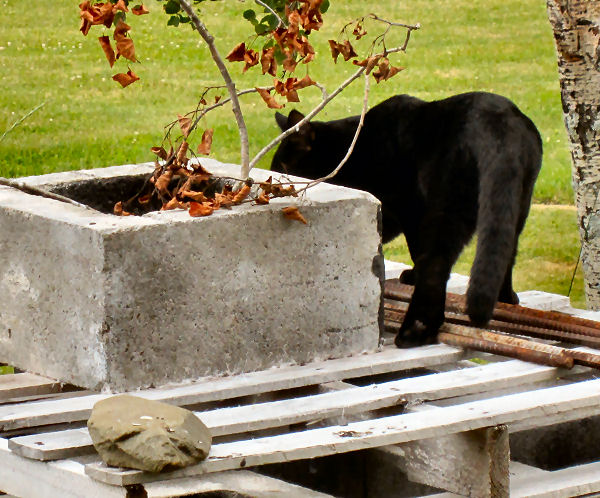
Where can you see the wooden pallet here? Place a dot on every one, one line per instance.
(431, 413)
(325, 408)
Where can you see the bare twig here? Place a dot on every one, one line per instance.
(352, 145)
(28, 189)
(235, 104)
(263, 4)
(220, 103)
(318, 108)
(19, 121)
(410, 27)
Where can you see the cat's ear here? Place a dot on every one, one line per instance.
(286, 122)
(281, 121)
(294, 118)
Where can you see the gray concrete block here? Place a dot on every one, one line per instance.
(126, 302)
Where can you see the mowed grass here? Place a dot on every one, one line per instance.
(88, 121)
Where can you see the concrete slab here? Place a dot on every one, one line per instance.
(120, 303)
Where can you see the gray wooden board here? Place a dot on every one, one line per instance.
(573, 481)
(372, 433)
(219, 388)
(63, 444)
(67, 479)
(26, 384)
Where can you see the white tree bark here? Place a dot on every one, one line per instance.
(576, 25)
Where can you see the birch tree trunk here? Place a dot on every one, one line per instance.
(576, 25)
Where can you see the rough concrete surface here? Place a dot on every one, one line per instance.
(126, 302)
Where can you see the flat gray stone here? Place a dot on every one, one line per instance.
(120, 303)
(147, 435)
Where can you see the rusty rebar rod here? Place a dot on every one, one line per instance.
(507, 312)
(504, 349)
(395, 310)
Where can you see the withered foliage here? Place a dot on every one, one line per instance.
(290, 46)
(106, 14)
(178, 182)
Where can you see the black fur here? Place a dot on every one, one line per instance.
(442, 170)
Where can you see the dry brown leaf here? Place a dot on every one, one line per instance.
(251, 59)
(369, 63)
(125, 79)
(120, 5)
(344, 49)
(268, 98)
(241, 194)
(126, 49)
(262, 199)
(237, 53)
(185, 124)
(160, 152)
(385, 71)
(206, 144)
(268, 62)
(195, 196)
(121, 30)
(223, 200)
(198, 209)
(182, 152)
(108, 50)
(139, 10)
(118, 210)
(304, 82)
(292, 213)
(173, 204)
(162, 183)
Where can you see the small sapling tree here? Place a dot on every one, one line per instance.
(280, 48)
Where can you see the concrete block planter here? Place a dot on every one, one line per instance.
(119, 303)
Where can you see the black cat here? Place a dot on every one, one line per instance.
(442, 170)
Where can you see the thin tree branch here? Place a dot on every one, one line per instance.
(19, 121)
(235, 104)
(361, 122)
(410, 27)
(262, 4)
(317, 109)
(28, 189)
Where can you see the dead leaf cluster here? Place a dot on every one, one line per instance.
(384, 69)
(180, 183)
(104, 13)
(292, 42)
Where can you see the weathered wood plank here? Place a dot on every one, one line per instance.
(572, 481)
(470, 463)
(67, 479)
(373, 433)
(26, 384)
(55, 445)
(212, 389)
(234, 482)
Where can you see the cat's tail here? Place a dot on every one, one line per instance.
(499, 221)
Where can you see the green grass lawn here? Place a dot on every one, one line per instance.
(88, 121)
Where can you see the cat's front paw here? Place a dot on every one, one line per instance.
(415, 335)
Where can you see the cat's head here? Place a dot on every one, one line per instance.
(297, 154)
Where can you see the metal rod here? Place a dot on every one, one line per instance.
(511, 351)
(507, 312)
